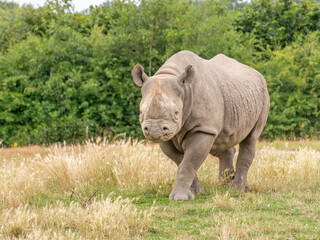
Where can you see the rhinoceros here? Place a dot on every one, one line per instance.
(192, 107)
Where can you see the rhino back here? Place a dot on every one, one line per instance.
(177, 63)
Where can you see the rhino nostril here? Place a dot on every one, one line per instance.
(146, 129)
(165, 129)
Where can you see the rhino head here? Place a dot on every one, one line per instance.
(162, 104)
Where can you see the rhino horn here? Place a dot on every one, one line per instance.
(155, 109)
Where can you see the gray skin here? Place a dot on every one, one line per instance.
(193, 107)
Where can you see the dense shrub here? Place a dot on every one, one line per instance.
(293, 77)
(278, 23)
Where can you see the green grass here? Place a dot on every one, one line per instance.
(250, 215)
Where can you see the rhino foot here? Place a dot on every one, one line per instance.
(241, 186)
(180, 193)
(240, 181)
(197, 187)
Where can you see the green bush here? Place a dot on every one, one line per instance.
(293, 77)
(278, 23)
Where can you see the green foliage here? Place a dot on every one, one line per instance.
(293, 77)
(278, 23)
(65, 76)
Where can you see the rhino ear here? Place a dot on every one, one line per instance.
(187, 76)
(138, 75)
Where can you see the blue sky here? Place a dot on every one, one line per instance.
(78, 4)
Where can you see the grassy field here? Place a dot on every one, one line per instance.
(120, 190)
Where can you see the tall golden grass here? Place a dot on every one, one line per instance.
(104, 219)
(125, 165)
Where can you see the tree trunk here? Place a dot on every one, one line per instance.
(150, 57)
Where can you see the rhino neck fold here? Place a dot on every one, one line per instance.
(187, 103)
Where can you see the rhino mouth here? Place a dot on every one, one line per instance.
(156, 140)
(161, 139)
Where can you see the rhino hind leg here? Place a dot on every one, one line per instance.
(171, 152)
(247, 151)
(226, 170)
(244, 161)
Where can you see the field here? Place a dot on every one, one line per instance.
(119, 190)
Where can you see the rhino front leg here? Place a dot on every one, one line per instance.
(196, 149)
(175, 155)
(244, 161)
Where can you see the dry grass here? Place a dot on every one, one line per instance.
(282, 170)
(291, 145)
(274, 170)
(105, 219)
(133, 167)
(122, 165)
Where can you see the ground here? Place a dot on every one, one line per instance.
(44, 193)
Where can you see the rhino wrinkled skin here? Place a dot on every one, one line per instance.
(193, 107)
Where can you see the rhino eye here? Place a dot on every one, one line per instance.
(176, 116)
